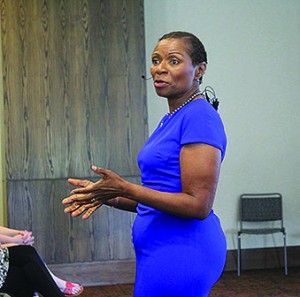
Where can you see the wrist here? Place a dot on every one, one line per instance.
(116, 202)
(113, 202)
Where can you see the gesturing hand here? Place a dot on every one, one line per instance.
(89, 196)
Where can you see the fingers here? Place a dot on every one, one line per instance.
(79, 211)
(99, 170)
(28, 242)
(78, 182)
(27, 238)
(79, 198)
(85, 186)
(90, 211)
(85, 183)
(86, 189)
(67, 200)
(85, 210)
(81, 201)
(72, 208)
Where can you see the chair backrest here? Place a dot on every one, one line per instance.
(261, 207)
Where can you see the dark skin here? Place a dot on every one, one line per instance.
(175, 78)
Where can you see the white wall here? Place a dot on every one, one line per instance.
(254, 66)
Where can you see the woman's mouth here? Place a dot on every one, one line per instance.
(160, 84)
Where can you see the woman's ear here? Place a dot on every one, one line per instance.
(200, 71)
(202, 68)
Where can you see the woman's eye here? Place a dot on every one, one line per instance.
(155, 61)
(174, 62)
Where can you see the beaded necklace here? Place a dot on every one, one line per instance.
(170, 114)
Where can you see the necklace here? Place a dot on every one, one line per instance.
(184, 103)
(170, 114)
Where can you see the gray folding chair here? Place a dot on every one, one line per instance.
(264, 207)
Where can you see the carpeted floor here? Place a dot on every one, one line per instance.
(267, 283)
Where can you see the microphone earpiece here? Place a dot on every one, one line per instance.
(145, 78)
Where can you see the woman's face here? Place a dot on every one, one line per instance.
(172, 70)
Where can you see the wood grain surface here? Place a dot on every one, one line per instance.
(73, 97)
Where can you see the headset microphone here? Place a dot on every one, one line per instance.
(145, 78)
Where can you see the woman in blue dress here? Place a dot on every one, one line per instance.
(179, 243)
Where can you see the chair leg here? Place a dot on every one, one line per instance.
(285, 255)
(239, 256)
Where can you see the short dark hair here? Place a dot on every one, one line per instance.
(195, 47)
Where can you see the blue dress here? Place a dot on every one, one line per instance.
(175, 256)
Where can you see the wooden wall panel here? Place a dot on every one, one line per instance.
(73, 97)
(36, 206)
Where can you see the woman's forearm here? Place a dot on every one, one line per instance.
(181, 204)
(8, 231)
(6, 239)
(122, 203)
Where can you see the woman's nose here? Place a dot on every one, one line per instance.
(162, 67)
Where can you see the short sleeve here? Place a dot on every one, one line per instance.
(202, 124)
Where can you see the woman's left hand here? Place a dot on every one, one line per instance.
(89, 196)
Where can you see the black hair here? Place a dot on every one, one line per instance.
(195, 47)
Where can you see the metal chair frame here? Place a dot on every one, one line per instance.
(263, 207)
